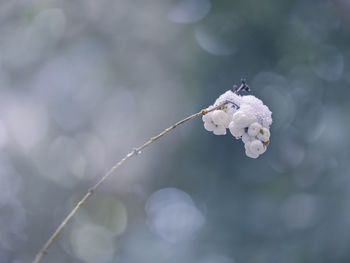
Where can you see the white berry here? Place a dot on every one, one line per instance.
(250, 154)
(256, 147)
(254, 129)
(235, 131)
(209, 125)
(264, 134)
(220, 117)
(246, 138)
(219, 130)
(207, 117)
(243, 119)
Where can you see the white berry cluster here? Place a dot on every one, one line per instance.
(246, 117)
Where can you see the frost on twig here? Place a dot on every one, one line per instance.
(246, 117)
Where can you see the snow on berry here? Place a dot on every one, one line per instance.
(257, 147)
(235, 130)
(264, 134)
(212, 126)
(246, 117)
(254, 129)
(220, 117)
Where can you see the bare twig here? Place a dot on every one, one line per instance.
(135, 151)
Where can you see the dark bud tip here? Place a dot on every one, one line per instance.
(245, 85)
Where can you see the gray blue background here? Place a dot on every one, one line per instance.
(83, 82)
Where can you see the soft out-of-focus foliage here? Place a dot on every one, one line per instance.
(82, 82)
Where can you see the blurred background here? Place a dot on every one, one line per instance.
(83, 82)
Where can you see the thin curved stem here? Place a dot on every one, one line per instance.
(135, 151)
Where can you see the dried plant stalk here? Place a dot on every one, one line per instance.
(135, 151)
